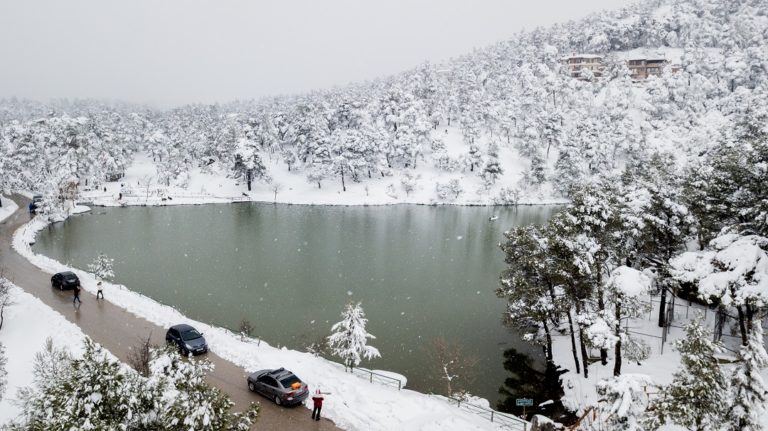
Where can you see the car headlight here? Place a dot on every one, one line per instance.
(187, 346)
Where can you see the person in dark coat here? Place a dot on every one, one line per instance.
(317, 400)
(77, 296)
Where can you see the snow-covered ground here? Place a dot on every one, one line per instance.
(8, 208)
(27, 325)
(210, 185)
(355, 403)
(581, 393)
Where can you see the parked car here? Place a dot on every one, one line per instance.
(280, 385)
(65, 280)
(36, 200)
(187, 339)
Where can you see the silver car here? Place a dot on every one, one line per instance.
(280, 385)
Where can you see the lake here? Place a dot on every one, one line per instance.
(421, 272)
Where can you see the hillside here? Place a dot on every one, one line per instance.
(502, 125)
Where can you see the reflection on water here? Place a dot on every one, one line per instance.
(421, 272)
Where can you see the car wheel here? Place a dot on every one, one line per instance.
(251, 387)
(278, 401)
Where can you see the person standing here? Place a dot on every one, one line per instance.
(317, 399)
(77, 296)
(100, 291)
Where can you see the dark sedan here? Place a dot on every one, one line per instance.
(65, 280)
(280, 385)
(187, 339)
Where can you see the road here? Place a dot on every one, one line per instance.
(118, 330)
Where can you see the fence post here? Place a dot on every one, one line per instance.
(491, 415)
(399, 383)
(371, 373)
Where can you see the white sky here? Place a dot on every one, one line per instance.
(169, 52)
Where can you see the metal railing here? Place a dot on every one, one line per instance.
(375, 377)
(510, 421)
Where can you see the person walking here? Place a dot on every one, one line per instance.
(100, 291)
(317, 399)
(77, 296)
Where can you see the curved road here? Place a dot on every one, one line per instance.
(117, 330)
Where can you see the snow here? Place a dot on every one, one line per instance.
(213, 186)
(8, 208)
(354, 403)
(28, 322)
(630, 282)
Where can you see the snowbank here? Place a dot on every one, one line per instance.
(28, 322)
(355, 403)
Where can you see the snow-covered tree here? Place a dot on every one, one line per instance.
(749, 391)
(732, 273)
(349, 340)
(626, 289)
(97, 392)
(697, 397)
(102, 267)
(625, 401)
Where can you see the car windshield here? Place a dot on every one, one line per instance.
(70, 277)
(287, 381)
(190, 334)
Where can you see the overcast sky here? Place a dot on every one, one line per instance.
(173, 52)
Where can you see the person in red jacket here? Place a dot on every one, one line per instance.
(317, 399)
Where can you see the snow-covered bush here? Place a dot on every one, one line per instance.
(449, 191)
(408, 182)
(507, 196)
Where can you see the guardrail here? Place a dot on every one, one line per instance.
(505, 419)
(375, 377)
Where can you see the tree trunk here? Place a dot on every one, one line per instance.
(549, 339)
(248, 179)
(742, 326)
(343, 186)
(573, 344)
(584, 357)
(601, 307)
(617, 359)
(662, 306)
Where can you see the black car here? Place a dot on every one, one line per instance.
(37, 200)
(65, 280)
(187, 339)
(280, 385)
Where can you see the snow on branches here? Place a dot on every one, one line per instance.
(349, 340)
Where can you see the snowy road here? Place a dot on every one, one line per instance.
(117, 330)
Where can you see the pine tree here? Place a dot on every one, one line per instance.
(749, 391)
(349, 339)
(697, 397)
(625, 401)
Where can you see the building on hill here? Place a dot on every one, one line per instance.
(642, 63)
(577, 63)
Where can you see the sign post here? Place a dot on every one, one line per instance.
(524, 402)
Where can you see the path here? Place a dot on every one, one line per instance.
(118, 330)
